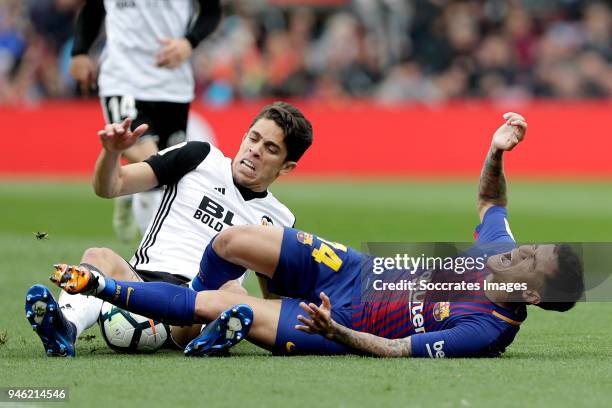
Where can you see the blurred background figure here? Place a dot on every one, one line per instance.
(391, 50)
(34, 41)
(145, 75)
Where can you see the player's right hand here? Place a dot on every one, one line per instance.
(510, 133)
(118, 137)
(174, 53)
(83, 70)
(320, 321)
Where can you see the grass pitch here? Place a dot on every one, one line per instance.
(556, 360)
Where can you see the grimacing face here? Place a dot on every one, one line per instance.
(261, 156)
(527, 263)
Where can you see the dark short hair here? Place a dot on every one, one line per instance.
(566, 286)
(295, 126)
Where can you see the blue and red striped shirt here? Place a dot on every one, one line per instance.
(447, 323)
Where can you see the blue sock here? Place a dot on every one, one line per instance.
(215, 271)
(161, 301)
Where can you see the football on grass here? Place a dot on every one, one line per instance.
(127, 332)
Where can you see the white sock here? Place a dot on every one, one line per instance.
(144, 206)
(81, 310)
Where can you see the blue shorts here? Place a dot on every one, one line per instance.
(309, 265)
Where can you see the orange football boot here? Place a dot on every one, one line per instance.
(74, 279)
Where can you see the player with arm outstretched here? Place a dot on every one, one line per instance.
(145, 76)
(204, 193)
(304, 267)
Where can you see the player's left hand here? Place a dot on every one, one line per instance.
(174, 53)
(510, 133)
(320, 321)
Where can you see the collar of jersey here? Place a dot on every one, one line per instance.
(248, 194)
(514, 317)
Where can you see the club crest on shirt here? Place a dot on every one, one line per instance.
(441, 311)
(265, 220)
(304, 237)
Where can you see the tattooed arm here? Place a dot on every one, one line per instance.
(367, 343)
(492, 185)
(364, 343)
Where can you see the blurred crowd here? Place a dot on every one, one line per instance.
(388, 50)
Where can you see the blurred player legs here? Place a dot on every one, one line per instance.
(144, 206)
(124, 222)
(132, 215)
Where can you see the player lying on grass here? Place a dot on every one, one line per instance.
(205, 193)
(302, 266)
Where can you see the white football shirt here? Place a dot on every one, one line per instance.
(134, 29)
(200, 200)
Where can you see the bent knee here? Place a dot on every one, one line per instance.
(234, 286)
(95, 256)
(229, 243)
(108, 263)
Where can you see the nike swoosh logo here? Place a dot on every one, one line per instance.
(290, 346)
(127, 299)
